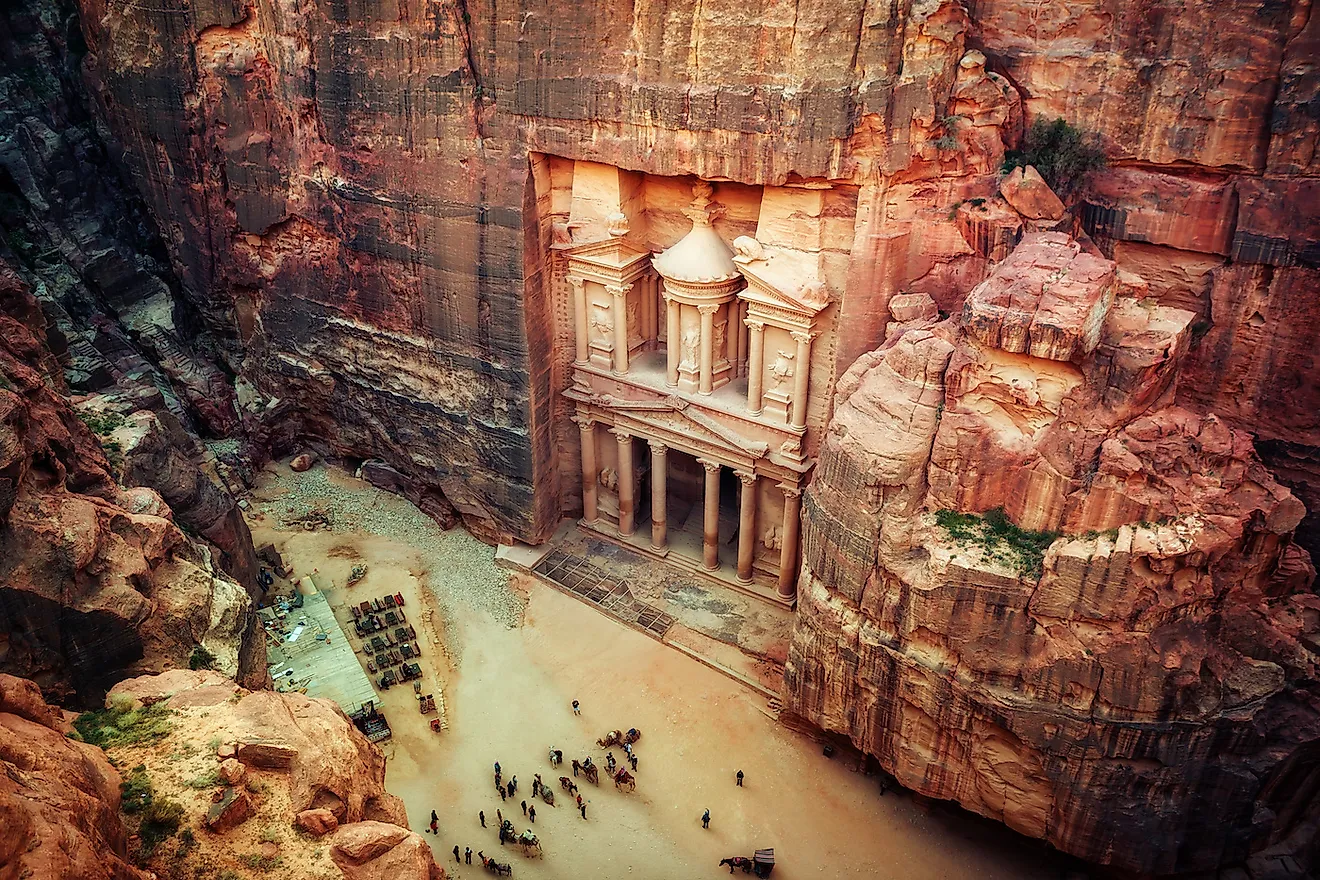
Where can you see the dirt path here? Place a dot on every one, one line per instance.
(509, 697)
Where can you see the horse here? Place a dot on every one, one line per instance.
(738, 862)
(568, 785)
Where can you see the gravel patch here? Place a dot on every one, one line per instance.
(458, 568)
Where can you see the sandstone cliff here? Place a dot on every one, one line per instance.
(59, 799)
(1035, 585)
(95, 580)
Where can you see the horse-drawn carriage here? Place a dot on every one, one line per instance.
(762, 863)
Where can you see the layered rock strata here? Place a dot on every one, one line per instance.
(95, 580)
(1139, 690)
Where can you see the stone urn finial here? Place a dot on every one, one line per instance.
(617, 224)
(702, 211)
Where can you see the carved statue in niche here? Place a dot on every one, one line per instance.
(718, 347)
(609, 478)
(772, 538)
(601, 325)
(691, 341)
(782, 368)
(633, 332)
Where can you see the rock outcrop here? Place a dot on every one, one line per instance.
(96, 580)
(59, 799)
(1035, 585)
(283, 762)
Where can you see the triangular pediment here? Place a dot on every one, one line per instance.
(673, 416)
(764, 287)
(610, 253)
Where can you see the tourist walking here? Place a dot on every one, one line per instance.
(577, 710)
(633, 758)
(531, 814)
(499, 818)
(705, 819)
(513, 785)
(502, 791)
(467, 854)
(740, 778)
(482, 816)
(511, 788)
(524, 806)
(435, 823)
(583, 808)
(457, 857)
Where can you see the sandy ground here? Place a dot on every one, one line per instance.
(508, 697)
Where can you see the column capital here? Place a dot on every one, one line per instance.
(584, 422)
(745, 477)
(577, 281)
(708, 308)
(618, 289)
(622, 434)
(754, 324)
(710, 466)
(657, 448)
(803, 336)
(790, 490)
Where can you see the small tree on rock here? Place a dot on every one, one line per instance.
(1064, 155)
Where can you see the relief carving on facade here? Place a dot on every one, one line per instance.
(691, 344)
(782, 368)
(721, 352)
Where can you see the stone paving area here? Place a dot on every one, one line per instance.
(757, 628)
(587, 581)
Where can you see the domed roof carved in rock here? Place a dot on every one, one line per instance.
(701, 256)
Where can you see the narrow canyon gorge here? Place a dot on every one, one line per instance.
(942, 372)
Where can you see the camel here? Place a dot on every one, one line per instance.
(530, 844)
(622, 778)
(593, 776)
(495, 867)
(568, 785)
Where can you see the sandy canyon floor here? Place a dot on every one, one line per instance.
(510, 654)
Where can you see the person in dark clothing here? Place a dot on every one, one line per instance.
(501, 790)
(531, 814)
(577, 710)
(633, 758)
(740, 778)
(583, 808)
(513, 785)
(510, 789)
(705, 819)
(457, 857)
(467, 855)
(524, 806)
(482, 816)
(435, 821)
(499, 818)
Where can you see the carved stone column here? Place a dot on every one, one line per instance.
(627, 477)
(672, 333)
(587, 428)
(619, 312)
(710, 536)
(798, 417)
(746, 525)
(738, 330)
(755, 365)
(788, 549)
(582, 349)
(706, 382)
(659, 477)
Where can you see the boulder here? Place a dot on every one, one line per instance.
(302, 462)
(1028, 193)
(232, 771)
(380, 851)
(267, 755)
(233, 809)
(317, 822)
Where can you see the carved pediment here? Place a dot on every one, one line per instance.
(803, 296)
(616, 253)
(674, 416)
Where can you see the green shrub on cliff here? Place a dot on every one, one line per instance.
(1063, 155)
(1020, 549)
(121, 724)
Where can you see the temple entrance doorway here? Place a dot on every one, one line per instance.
(685, 509)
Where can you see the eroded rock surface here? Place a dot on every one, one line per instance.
(59, 799)
(1157, 661)
(95, 580)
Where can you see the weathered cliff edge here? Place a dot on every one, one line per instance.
(96, 580)
(284, 763)
(1145, 695)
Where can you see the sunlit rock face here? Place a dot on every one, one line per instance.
(1155, 662)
